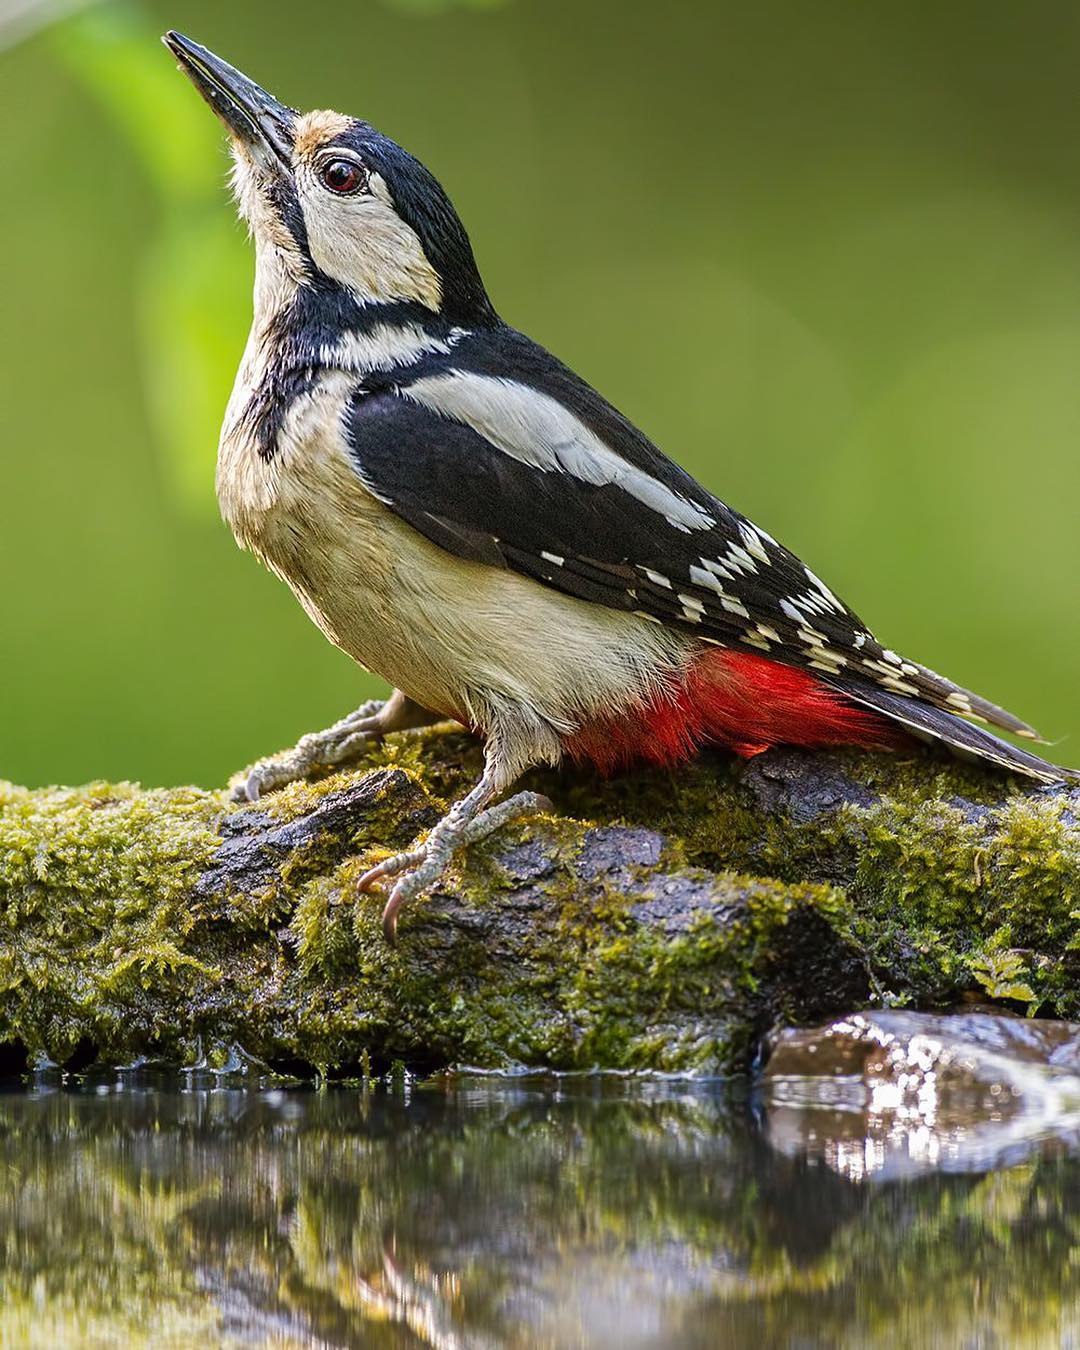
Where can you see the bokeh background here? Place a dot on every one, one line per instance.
(827, 255)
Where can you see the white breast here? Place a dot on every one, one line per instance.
(478, 643)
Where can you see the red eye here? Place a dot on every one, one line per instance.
(343, 176)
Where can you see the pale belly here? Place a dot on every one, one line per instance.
(478, 643)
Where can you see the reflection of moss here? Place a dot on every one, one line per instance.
(163, 921)
(508, 1212)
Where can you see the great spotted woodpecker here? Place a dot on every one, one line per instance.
(465, 516)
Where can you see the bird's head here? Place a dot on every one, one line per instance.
(339, 207)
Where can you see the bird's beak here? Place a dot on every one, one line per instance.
(255, 118)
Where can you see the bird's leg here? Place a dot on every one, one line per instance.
(345, 740)
(467, 822)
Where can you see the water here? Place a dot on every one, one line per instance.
(910, 1187)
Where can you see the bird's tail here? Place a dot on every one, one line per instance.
(930, 722)
(927, 684)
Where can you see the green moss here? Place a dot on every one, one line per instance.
(104, 843)
(94, 887)
(1033, 864)
(645, 998)
(1003, 975)
(940, 885)
(940, 871)
(932, 888)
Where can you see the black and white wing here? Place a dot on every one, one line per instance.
(500, 454)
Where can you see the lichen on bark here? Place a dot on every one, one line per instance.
(656, 921)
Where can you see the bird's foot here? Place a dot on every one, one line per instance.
(424, 866)
(344, 741)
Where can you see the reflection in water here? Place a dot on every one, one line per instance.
(491, 1212)
(882, 1095)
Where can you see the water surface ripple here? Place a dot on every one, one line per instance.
(892, 1179)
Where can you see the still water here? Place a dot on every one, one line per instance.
(912, 1201)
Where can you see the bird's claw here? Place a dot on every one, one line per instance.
(317, 750)
(390, 913)
(250, 790)
(424, 866)
(267, 775)
(401, 892)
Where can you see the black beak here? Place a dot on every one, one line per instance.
(263, 124)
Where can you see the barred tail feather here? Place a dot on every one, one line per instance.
(952, 698)
(930, 722)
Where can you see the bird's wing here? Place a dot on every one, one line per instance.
(499, 454)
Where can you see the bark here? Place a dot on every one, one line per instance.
(656, 921)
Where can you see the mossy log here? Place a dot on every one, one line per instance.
(656, 921)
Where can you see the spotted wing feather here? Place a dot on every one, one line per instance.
(490, 481)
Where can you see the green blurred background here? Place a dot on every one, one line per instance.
(827, 255)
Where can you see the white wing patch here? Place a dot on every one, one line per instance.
(710, 581)
(823, 594)
(385, 346)
(753, 538)
(718, 568)
(538, 430)
(707, 578)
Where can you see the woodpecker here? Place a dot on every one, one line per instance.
(465, 516)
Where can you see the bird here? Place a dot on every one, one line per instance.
(466, 517)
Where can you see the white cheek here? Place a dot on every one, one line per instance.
(362, 243)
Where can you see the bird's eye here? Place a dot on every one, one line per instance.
(343, 176)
